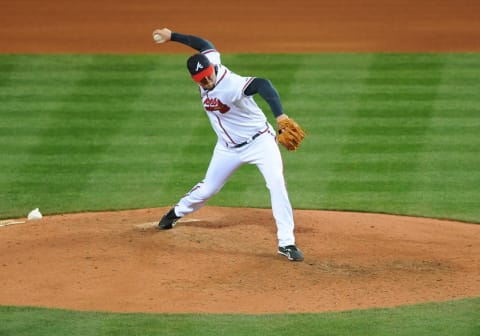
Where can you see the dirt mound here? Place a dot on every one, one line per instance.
(224, 260)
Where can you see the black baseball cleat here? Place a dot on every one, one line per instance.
(168, 220)
(291, 252)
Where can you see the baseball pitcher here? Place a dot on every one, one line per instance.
(244, 136)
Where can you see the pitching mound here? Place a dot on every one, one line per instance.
(223, 260)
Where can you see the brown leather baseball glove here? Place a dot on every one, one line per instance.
(290, 134)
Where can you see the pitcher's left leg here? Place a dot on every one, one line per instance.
(272, 170)
(266, 155)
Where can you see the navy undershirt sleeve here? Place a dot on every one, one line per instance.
(192, 41)
(266, 90)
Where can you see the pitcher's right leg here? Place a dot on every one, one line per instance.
(221, 167)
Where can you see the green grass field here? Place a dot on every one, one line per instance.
(455, 318)
(389, 133)
(394, 133)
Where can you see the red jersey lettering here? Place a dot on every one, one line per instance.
(215, 104)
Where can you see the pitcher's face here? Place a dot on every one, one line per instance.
(208, 82)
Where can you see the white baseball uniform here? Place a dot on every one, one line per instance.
(244, 136)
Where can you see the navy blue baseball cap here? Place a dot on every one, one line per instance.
(199, 66)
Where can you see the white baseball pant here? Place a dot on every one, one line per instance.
(265, 154)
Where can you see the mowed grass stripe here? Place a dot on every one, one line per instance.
(390, 131)
(55, 142)
(465, 143)
(20, 185)
(349, 120)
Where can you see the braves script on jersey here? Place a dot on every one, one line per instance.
(244, 118)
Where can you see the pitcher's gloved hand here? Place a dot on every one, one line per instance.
(290, 134)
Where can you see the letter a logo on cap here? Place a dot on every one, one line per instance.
(199, 67)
